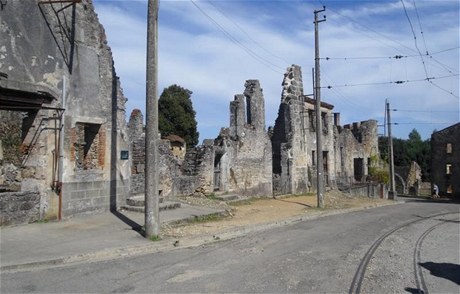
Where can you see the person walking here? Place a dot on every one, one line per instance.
(435, 191)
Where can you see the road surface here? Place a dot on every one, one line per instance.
(407, 248)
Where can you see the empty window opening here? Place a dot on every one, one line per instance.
(358, 168)
(449, 189)
(342, 161)
(324, 122)
(217, 173)
(248, 110)
(449, 148)
(448, 169)
(313, 158)
(311, 118)
(88, 146)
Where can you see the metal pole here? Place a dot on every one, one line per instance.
(152, 213)
(392, 192)
(319, 130)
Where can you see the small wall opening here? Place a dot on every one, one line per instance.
(89, 146)
(358, 164)
(248, 111)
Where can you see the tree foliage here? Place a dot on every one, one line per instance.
(406, 151)
(176, 114)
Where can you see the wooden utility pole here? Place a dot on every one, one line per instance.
(319, 129)
(392, 192)
(152, 211)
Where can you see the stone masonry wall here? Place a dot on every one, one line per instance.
(243, 153)
(19, 208)
(64, 49)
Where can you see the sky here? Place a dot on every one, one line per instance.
(406, 51)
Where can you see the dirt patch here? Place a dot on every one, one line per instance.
(262, 211)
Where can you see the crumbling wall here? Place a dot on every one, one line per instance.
(294, 139)
(243, 153)
(64, 50)
(177, 176)
(357, 144)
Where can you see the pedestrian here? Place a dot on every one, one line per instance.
(435, 191)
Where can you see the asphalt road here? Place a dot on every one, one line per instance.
(408, 248)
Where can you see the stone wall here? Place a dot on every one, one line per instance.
(19, 208)
(242, 152)
(294, 138)
(63, 50)
(171, 182)
(294, 142)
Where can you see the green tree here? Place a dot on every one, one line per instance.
(406, 151)
(176, 114)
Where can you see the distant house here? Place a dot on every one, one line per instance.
(445, 161)
(178, 146)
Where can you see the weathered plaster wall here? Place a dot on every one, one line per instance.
(67, 53)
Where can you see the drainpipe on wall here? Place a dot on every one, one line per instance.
(61, 148)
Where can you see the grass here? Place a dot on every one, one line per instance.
(206, 218)
(42, 221)
(155, 238)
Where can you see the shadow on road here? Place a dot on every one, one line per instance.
(414, 290)
(449, 271)
(134, 225)
(300, 203)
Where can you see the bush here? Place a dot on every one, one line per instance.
(379, 175)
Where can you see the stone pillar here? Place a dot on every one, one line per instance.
(255, 105)
(237, 115)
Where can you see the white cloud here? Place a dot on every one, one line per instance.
(198, 55)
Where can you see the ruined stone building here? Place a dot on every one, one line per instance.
(445, 161)
(65, 147)
(62, 113)
(237, 161)
(243, 153)
(347, 151)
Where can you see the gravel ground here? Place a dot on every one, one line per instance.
(262, 210)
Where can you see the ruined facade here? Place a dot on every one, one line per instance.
(445, 161)
(59, 85)
(238, 161)
(242, 152)
(346, 150)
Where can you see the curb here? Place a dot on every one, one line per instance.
(173, 244)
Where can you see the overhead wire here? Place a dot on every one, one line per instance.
(256, 56)
(391, 82)
(415, 38)
(404, 46)
(246, 33)
(420, 25)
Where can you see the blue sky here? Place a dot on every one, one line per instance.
(212, 48)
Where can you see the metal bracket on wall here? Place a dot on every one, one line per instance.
(65, 36)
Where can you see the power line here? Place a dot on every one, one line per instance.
(247, 34)
(402, 45)
(420, 25)
(259, 58)
(369, 57)
(411, 110)
(415, 37)
(388, 57)
(392, 82)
